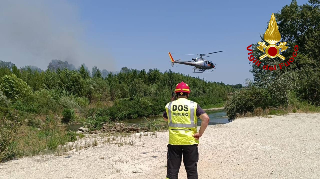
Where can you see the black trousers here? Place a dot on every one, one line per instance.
(190, 158)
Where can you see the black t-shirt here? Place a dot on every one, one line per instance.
(198, 112)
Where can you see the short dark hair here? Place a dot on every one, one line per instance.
(183, 94)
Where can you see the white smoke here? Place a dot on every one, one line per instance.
(33, 32)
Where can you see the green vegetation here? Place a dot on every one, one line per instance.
(218, 105)
(23, 135)
(37, 107)
(68, 115)
(295, 88)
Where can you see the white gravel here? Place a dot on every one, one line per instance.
(277, 147)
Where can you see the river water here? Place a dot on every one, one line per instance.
(216, 117)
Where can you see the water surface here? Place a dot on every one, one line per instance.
(216, 117)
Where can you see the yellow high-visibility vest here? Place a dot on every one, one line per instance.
(182, 120)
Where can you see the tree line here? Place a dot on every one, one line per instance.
(127, 94)
(35, 104)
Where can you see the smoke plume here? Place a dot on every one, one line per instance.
(34, 32)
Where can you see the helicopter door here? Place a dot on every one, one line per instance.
(204, 64)
(207, 63)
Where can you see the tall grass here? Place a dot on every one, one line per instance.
(19, 138)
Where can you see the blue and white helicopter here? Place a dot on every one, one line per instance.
(199, 63)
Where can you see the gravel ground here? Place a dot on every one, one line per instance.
(275, 147)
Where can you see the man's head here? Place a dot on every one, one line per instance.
(182, 90)
(182, 95)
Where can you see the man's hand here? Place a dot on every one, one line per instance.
(197, 136)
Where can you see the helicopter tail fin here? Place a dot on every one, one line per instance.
(172, 60)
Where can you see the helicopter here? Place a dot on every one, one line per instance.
(199, 63)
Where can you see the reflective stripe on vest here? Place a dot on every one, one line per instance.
(183, 125)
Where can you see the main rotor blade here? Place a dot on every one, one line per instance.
(203, 54)
(215, 52)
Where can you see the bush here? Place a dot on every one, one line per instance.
(4, 101)
(97, 117)
(97, 122)
(82, 101)
(26, 105)
(68, 116)
(246, 101)
(310, 88)
(131, 108)
(41, 102)
(14, 88)
(68, 102)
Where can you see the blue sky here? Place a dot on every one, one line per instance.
(139, 34)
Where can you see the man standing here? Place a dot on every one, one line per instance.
(181, 115)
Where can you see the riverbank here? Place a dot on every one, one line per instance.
(256, 147)
(214, 109)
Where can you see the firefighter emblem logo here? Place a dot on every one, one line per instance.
(272, 36)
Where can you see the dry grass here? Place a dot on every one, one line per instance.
(94, 140)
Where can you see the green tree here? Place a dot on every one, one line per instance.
(16, 71)
(96, 72)
(84, 73)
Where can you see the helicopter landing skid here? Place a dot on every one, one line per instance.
(197, 70)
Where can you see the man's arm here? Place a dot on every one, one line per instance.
(204, 121)
(165, 116)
